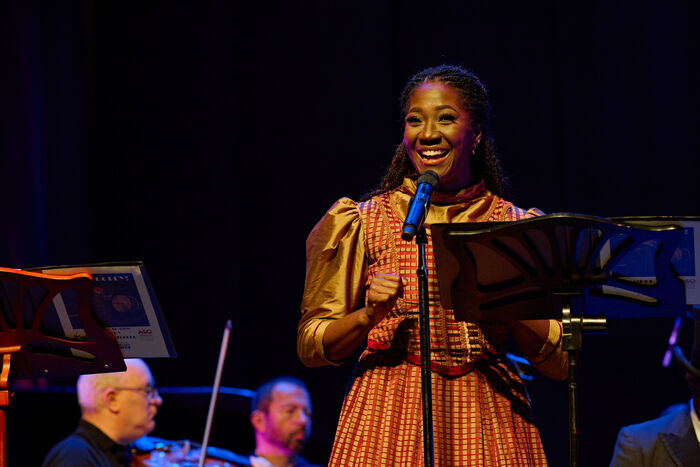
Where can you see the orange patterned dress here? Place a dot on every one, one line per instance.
(481, 411)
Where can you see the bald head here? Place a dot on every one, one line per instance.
(90, 387)
(122, 404)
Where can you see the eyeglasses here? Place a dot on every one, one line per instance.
(151, 392)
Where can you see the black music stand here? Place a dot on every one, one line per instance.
(556, 267)
(30, 349)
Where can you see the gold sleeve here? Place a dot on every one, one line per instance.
(336, 272)
(551, 361)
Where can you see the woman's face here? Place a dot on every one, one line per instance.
(438, 134)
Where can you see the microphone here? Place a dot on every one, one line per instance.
(419, 204)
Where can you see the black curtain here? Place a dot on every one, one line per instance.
(207, 139)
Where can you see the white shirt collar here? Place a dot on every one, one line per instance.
(696, 421)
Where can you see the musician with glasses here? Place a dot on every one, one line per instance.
(117, 409)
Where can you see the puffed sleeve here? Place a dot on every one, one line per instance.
(336, 272)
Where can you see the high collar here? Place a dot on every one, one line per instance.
(471, 204)
(438, 197)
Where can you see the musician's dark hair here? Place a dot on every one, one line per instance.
(263, 395)
(484, 163)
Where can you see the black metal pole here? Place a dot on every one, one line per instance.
(573, 421)
(426, 384)
(574, 325)
(571, 343)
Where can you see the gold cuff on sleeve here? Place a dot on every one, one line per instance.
(550, 345)
(318, 341)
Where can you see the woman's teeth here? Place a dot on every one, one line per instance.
(432, 154)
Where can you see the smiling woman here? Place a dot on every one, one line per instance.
(472, 99)
(440, 135)
(481, 411)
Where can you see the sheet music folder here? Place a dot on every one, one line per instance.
(621, 267)
(123, 302)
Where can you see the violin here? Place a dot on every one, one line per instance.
(150, 451)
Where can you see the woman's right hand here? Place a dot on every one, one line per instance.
(342, 336)
(384, 289)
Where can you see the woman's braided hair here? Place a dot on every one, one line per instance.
(484, 163)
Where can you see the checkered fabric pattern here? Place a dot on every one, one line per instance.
(481, 412)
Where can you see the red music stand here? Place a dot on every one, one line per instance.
(31, 349)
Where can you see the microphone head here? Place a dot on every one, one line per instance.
(429, 177)
(408, 232)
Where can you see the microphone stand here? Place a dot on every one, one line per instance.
(426, 384)
(413, 225)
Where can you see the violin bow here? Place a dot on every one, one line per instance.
(215, 391)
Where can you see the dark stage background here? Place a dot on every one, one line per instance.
(207, 138)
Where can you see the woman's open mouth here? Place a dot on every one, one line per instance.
(433, 156)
